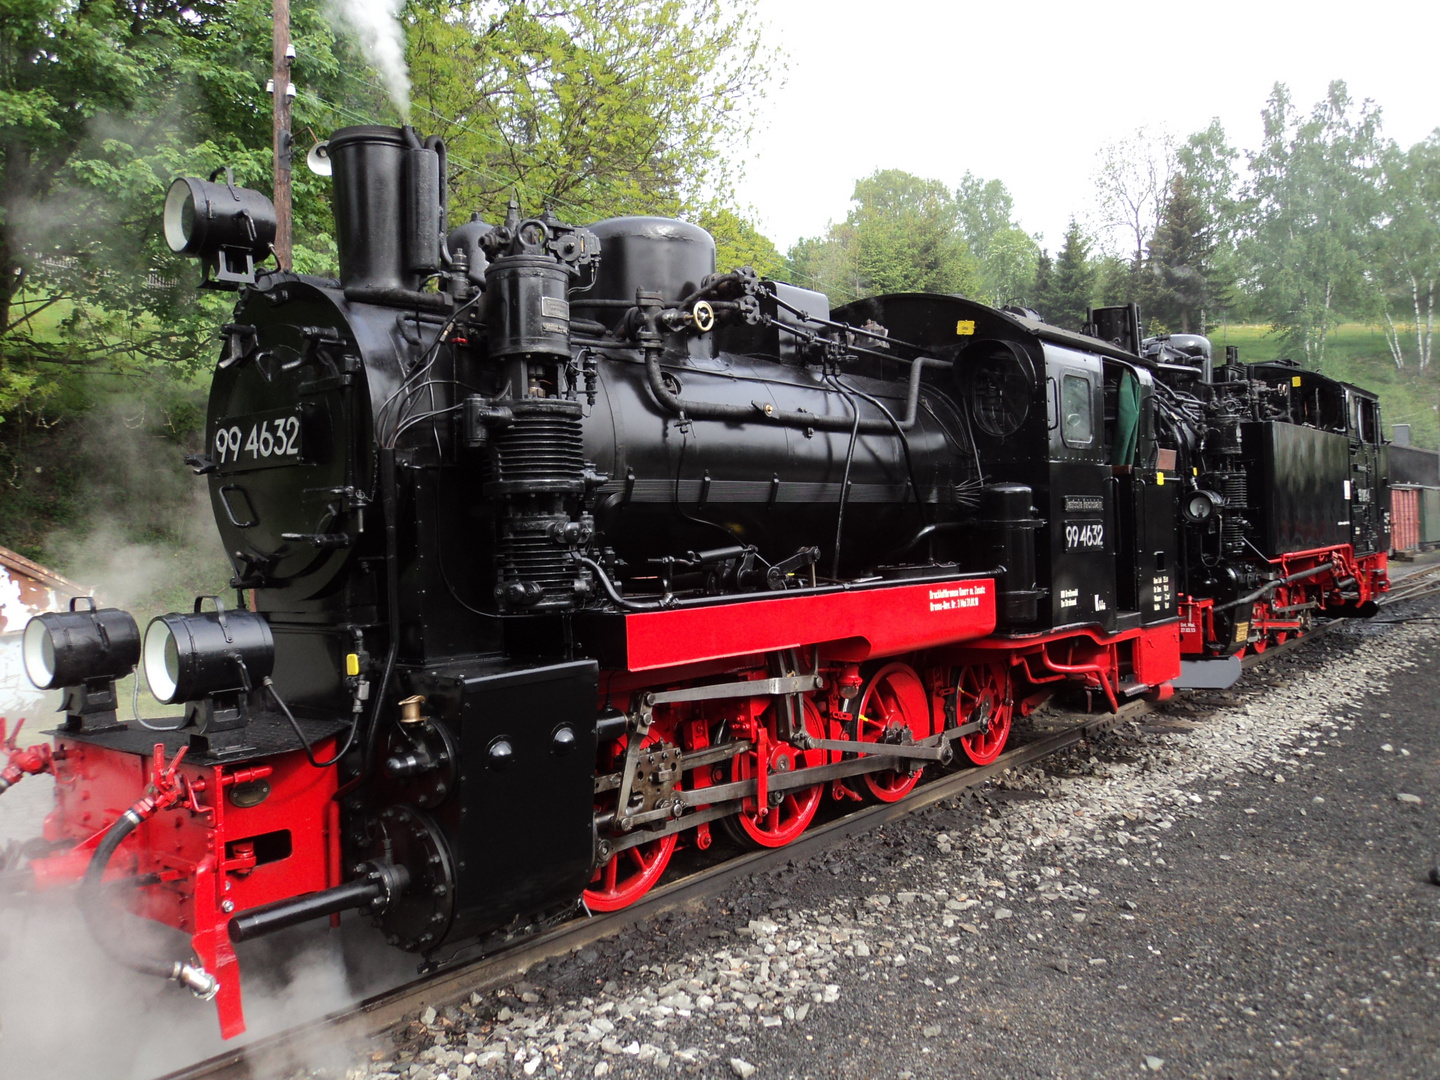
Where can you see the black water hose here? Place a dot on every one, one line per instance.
(197, 980)
(89, 894)
(299, 734)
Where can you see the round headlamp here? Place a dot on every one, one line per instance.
(66, 648)
(1200, 505)
(191, 656)
(201, 217)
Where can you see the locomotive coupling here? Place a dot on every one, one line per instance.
(197, 980)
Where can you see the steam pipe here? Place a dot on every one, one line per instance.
(1314, 571)
(708, 410)
(390, 503)
(436, 143)
(391, 296)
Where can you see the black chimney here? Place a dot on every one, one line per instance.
(389, 213)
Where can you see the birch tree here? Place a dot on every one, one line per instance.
(1130, 184)
(1407, 268)
(1314, 203)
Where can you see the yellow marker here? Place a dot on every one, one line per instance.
(965, 328)
(1195, 471)
(352, 664)
(1294, 380)
(1159, 479)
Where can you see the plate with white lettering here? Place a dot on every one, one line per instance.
(258, 441)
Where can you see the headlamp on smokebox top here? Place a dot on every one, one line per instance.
(82, 651)
(225, 226)
(213, 661)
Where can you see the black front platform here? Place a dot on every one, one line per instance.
(268, 733)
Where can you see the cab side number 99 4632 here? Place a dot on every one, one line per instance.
(258, 441)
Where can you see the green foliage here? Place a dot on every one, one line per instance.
(1117, 281)
(1071, 286)
(901, 235)
(1007, 255)
(1177, 287)
(135, 97)
(1405, 274)
(1313, 207)
(738, 243)
(595, 107)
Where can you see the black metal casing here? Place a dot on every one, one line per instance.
(519, 822)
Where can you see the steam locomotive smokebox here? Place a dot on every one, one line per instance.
(387, 207)
(1007, 525)
(656, 254)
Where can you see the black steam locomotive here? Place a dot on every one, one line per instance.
(554, 548)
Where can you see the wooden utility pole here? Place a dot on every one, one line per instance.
(280, 92)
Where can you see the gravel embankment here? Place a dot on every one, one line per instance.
(1235, 887)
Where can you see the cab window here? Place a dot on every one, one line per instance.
(1076, 420)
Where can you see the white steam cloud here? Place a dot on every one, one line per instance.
(376, 25)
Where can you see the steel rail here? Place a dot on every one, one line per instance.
(375, 1016)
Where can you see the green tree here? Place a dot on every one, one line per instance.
(739, 243)
(901, 235)
(1072, 289)
(1116, 281)
(1177, 284)
(103, 104)
(1009, 266)
(1313, 201)
(827, 264)
(594, 107)
(1406, 272)
(1042, 288)
(985, 213)
(1207, 161)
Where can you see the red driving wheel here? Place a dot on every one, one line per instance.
(1281, 599)
(984, 693)
(894, 700)
(788, 813)
(632, 872)
(1257, 615)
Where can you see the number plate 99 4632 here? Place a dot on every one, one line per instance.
(258, 441)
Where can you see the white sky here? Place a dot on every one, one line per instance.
(1027, 93)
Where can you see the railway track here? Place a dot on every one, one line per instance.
(387, 1011)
